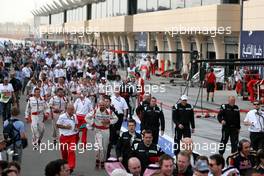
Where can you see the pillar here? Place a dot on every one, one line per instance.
(219, 46)
(186, 57)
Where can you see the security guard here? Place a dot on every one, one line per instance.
(255, 121)
(229, 117)
(126, 141)
(183, 118)
(152, 119)
(146, 151)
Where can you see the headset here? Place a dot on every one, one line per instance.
(240, 144)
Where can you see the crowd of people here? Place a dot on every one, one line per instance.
(79, 93)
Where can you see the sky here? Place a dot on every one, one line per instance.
(18, 11)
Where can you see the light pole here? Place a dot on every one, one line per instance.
(240, 40)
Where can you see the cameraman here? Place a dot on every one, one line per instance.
(15, 135)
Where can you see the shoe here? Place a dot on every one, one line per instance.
(97, 163)
(71, 171)
(102, 165)
(39, 142)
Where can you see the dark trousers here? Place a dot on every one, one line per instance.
(257, 140)
(179, 133)
(114, 133)
(6, 110)
(25, 84)
(155, 136)
(233, 133)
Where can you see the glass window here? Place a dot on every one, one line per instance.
(104, 9)
(164, 4)
(116, 8)
(123, 7)
(98, 10)
(94, 11)
(110, 7)
(175, 4)
(84, 11)
(231, 1)
(210, 2)
(142, 6)
(193, 3)
(152, 5)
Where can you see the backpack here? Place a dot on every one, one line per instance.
(11, 134)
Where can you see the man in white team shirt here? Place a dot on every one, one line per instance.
(6, 95)
(57, 105)
(255, 121)
(121, 107)
(82, 107)
(67, 125)
(100, 119)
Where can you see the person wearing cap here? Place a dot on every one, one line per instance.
(201, 168)
(229, 117)
(7, 96)
(183, 118)
(58, 72)
(103, 88)
(255, 121)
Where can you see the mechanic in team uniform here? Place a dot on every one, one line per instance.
(126, 141)
(146, 151)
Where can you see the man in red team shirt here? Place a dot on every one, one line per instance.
(211, 79)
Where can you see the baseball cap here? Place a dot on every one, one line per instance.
(184, 97)
(201, 165)
(6, 78)
(120, 172)
(103, 78)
